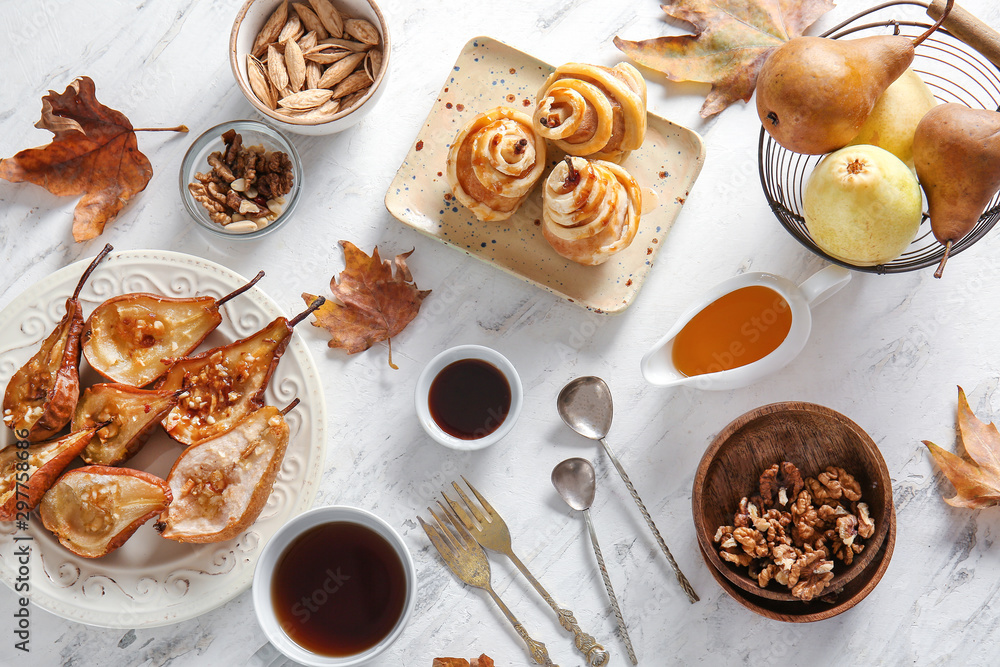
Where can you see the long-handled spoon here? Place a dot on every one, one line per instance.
(575, 481)
(586, 407)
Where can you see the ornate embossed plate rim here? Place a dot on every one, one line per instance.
(516, 246)
(116, 591)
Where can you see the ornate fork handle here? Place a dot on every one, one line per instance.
(586, 644)
(537, 649)
(681, 579)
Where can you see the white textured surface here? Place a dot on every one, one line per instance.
(886, 351)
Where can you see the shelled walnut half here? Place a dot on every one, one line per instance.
(245, 189)
(795, 529)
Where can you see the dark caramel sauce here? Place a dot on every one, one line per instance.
(469, 399)
(338, 589)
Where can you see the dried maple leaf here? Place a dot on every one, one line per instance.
(374, 305)
(94, 154)
(731, 41)
(976, 476)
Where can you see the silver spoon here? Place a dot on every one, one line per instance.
(575, 481)
(586, 407)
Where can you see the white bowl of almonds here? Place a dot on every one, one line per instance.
(311, 66)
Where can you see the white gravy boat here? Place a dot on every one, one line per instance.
(658, 366)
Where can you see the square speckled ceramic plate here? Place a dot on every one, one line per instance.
(487, 74)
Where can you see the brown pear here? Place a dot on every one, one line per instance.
(220, 486)
(956, 151)
(815, 93)
(225, 384)
(93, 510)
(126, 417)
(42, 394)
(133, 338)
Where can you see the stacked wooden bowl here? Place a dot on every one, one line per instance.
(813, 438)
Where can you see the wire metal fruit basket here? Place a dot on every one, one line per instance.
(954, 71)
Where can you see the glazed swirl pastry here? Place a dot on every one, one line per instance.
(593, 111)
(494, 163)
(590, 209)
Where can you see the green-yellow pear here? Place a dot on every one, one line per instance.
(862, 205)
(814, 93)
(894, 119)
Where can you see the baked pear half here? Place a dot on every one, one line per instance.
(27, 473)
(221, 485)
(93, 510)
(133, 338)
(126, 415)
(41, 396)
(225, 384)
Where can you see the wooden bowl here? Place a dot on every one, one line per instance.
(810, 436)
(797, 612)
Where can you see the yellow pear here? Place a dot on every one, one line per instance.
(862, 205)
(894, 119)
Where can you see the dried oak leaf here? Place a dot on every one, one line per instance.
(731, 41)
(94, 154)
(374, 304)
(976, 475)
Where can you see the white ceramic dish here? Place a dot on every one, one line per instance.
(274, 549)
(151, 581)
(251, 19)
(435, 365)
(487, 74)
(657, 364)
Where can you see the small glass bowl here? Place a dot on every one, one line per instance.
(253, 132)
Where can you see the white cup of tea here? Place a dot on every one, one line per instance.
(740, 331)
(468, 397)
(333, 587)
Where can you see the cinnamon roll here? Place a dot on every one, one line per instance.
(590, 209)
(494, 163)
(593, 111)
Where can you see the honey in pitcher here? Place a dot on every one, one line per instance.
(736, 329)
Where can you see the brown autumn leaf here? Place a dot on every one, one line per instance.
(976, 475)
(731, 41)
(374, 304)
(94, 154)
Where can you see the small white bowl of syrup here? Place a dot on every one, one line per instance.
(741, 330)
(334, 587)
(468, 397)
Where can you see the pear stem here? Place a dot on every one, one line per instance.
(319, 301)
(289, 407)
(930, 31)
(944, 259)
(179, 128)
(90, 269)
(239, 290)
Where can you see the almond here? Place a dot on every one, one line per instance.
(361, 30)
(271, 30)
(329, 16)
(338, 71)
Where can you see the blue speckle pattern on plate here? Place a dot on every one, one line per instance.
(487, 74)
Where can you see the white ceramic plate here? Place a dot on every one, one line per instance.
(153, 581)
(487, 74)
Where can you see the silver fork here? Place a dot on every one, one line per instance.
(490, 530)
(468, 561)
